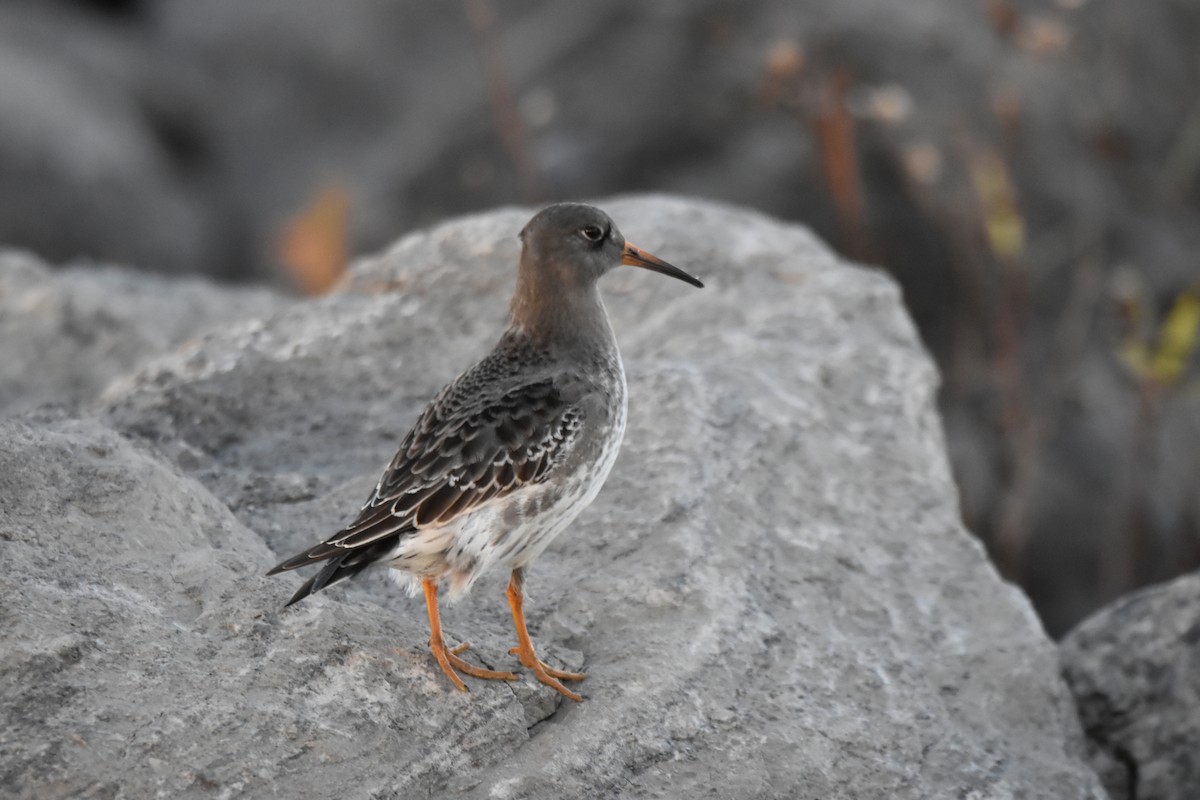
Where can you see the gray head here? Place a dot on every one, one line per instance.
(566, 248)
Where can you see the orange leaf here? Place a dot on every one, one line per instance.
(312, 246)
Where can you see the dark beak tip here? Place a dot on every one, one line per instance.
(636, 257)
(685, 277)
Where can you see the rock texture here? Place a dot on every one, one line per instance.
(1135, 671)
(773, 596)
(65, 334)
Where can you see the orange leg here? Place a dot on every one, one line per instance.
(524, 649)
(446, 657)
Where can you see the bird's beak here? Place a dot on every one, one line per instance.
(640, 258)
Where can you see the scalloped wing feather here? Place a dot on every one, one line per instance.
(464, 452)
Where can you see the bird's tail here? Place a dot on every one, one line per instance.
(342, 565)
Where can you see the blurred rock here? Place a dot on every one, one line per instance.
(773, 596)
(1134, 669)
(66, 334)
(90, 166)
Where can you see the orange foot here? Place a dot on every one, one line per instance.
(449, 661)
(447, 658)
(548, 674)
(524, 650)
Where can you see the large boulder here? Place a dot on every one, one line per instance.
(772, 597)
(66, 334)
(1135, 671)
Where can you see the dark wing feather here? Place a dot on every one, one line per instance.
(464, 451)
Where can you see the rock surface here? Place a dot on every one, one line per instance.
(1135, 671)
(65, 334)
(773, 596)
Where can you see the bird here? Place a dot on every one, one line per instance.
(506, 455)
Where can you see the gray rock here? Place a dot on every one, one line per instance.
(144, 654)
(66, 334)
(1134, 669)
(773, 596)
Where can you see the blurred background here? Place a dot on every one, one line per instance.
(1028, 171)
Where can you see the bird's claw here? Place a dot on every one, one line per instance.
(547, 674)
(451, 664)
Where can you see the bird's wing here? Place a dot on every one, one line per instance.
(464, 451)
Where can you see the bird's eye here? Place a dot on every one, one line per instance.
(593, 233)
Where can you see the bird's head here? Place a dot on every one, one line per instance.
(572, 244)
